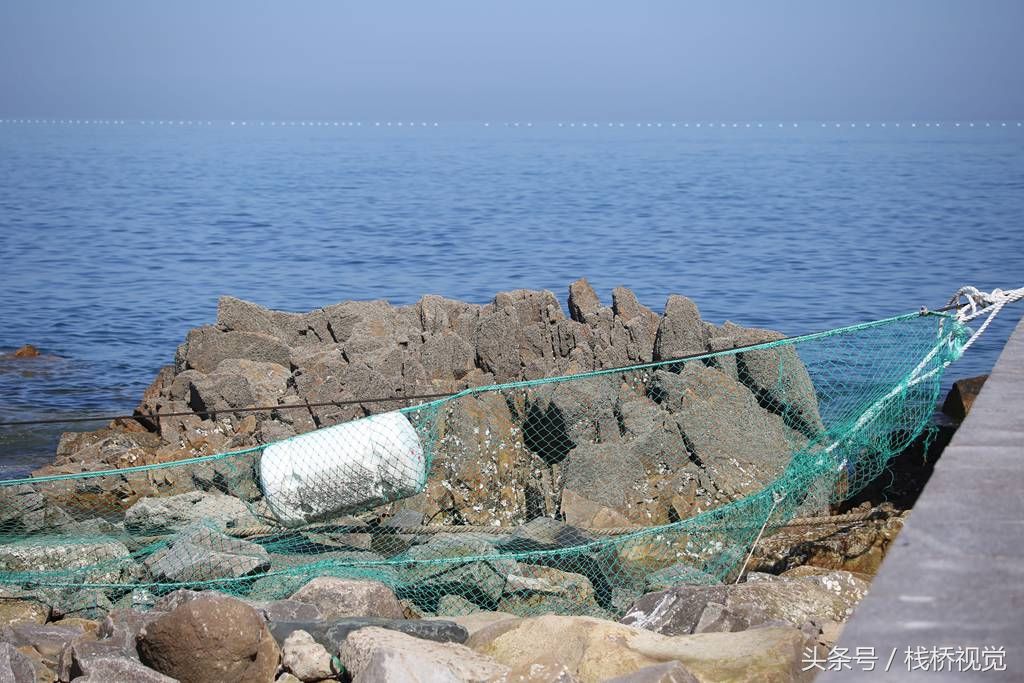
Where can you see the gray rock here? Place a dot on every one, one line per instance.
(332, 633)
(482, 579)
(607, 474)
(75, 658)
(740, 445)
(307, 659)
(156, 516)
(14, 666)
(338, 597)
(88, 603)
(376, 654)
(48, 640)
(24, 510)
(542, 533)
(200, 553)
(88, 560)
(681, 332)
(107, 668)
(778, 377)
(206, 347)
(669, 672)
(239, 383)
(686, 609)
(121, 627)
(288, 610)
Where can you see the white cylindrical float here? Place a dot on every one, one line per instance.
(348, 467)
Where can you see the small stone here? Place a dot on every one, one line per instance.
(306, 658)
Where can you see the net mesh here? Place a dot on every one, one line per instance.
(573, 495)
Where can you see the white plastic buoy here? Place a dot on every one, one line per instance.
(351, 466)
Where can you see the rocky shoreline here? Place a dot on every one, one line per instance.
(639, 459)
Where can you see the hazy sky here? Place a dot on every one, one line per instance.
(515, 59)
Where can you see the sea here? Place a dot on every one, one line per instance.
(118, 236)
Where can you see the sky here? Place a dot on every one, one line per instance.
(539, 60)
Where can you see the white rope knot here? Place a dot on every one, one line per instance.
(973, 303)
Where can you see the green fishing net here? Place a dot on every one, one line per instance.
(572, 494)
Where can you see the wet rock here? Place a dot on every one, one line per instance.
(961, 396)
(595, 650)
(333, 632)
(336, 598)
(156, 516)
(27, 351)
(307, 659)
(200, 553)
(375, 654)
(214, 639)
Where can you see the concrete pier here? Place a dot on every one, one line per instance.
(953, 582)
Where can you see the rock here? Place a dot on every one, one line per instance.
(473, 621)
(738, 444)
(13, 611)
(543, 533)
(583, 301)
(213, 638)
(107, 668)
(15, 667)
(595, 650)
(200, 553)
(337, 597)
(669, 672)
(375, 654)
(239, 383)
(961, 396)
(680, 332)
(88, 604)
(121, 627)
(206, 347)
(481, 580)
(76, 657)
(287, 678)
(48, 640)
(88, 560)
(332, 633)
(156, 516)
(542, 670)
(288, 610)
(43, 671)
(536, 588)
(686, 609)
(305, 658)
(27, 351)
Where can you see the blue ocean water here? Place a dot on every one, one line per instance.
(116, 239)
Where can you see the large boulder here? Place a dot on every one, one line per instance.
(595, 650)
(214, 639)
(376, 654)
